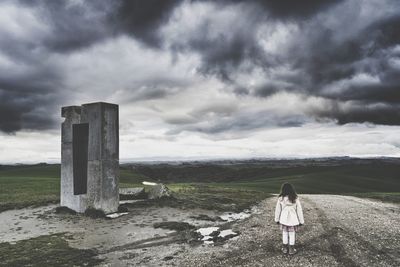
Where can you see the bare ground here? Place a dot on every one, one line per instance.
(339, 231)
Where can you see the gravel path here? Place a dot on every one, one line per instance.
(339, 231)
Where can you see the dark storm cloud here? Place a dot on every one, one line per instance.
(325, 54)
(28, 97)
(223, 51)
(28, 100)
(31, 83)
(76, 26)
(141, 19)
(359, 112)
(339, 65)
(29, 111)
(293, 8)
(242, 121)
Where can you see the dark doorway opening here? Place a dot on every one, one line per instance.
(80, 142)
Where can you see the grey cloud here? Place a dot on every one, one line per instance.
(72, 26)
(241, 122)
(141, 19)
(35, 84)
(359, 112)
(29, 110)
(31, 82)
(293, 9)
(155, 88)
(224, 51)
(29, 98)
(209, 112)
(218, 118)
(79, 25)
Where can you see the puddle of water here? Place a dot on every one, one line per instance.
(207, 231)
(229, 217)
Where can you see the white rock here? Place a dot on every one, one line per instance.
(159, 191)
(207, 230)
(116, 215)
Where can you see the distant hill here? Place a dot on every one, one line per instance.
(319, 175)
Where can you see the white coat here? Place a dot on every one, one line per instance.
(288, 213)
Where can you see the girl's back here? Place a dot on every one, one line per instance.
(289, 215)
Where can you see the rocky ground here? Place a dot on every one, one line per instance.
(339, 231)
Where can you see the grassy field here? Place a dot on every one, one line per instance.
(22, 186)
(33, 185)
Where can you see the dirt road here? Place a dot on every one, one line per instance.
(339, 231)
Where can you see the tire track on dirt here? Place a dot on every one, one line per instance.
(382, 209)
(341, 239)
(260, 243)
(331, 235)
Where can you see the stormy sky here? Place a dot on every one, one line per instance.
(204, 79)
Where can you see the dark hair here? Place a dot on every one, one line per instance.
(288, 190)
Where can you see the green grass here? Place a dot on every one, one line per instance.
(219, 197)
(29, 185)
(22, 186)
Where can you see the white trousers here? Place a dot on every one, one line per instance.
(288, 237)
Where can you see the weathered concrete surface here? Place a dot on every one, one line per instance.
(103, 157)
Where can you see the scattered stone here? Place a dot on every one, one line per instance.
(167, 258)
(159, 191)
(178, 226)
(132, 193)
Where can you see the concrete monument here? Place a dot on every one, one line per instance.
(90, 157)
